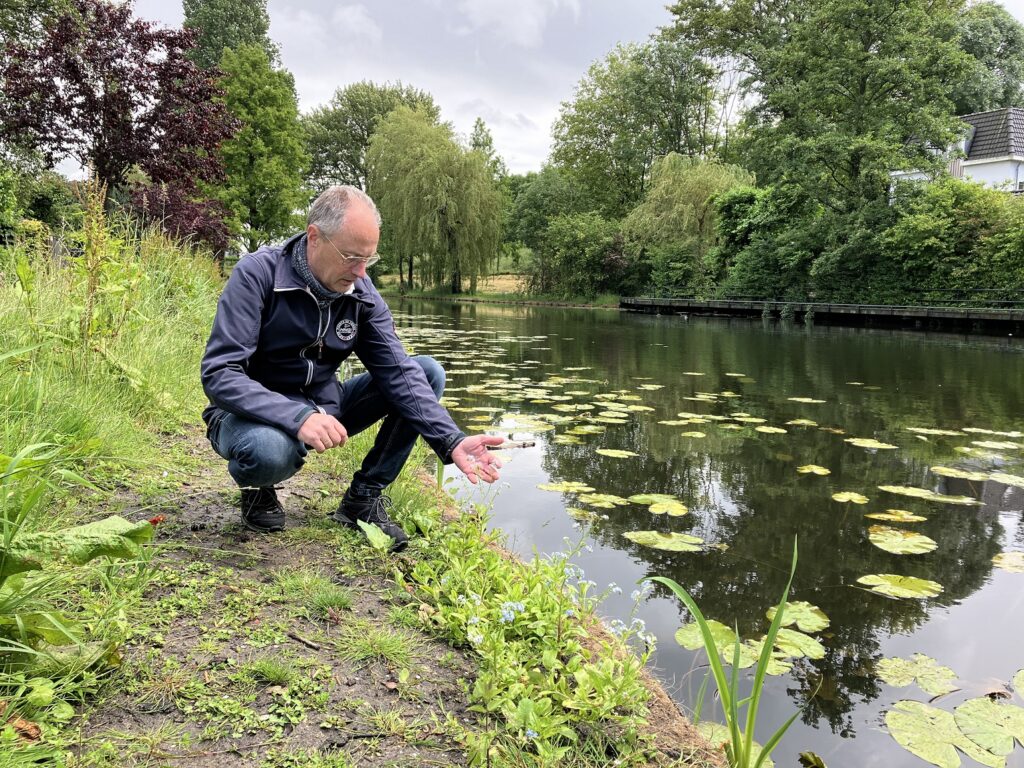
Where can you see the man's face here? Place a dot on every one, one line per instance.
(358, 236)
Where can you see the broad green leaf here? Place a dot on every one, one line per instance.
(813, 469)
(801, 423)
(672, 542)
(1005, 479)
(651, 498)
(894, 585)
(931, 676)
(379, 540)
(694, 434)
(811, 760)
(997, 445)
(569, 486)
(111, 537)
(900, 542)
(615, 453)
(1010, 561)
(797, 644)
(689, 636)
(980, 431)
(750, 419)
(675, 422)
(807, 617)
(922, 493)
(990, 725)
(671, 508)
(850, 496)
(962, 474)
(583, 515)
(897, 516)
(930, 431)
(868, 442)
(770, 430)
(51, 626)
(603, 500)
(932, 735)
(750, 654)
(11, 563)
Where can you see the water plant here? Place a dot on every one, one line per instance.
(740, 747)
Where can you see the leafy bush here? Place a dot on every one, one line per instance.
(581, 256)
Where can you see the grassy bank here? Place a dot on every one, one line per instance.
(312, 648)
(506, 289)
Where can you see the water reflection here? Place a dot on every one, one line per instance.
(742, 487)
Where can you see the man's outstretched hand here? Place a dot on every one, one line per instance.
(321, 432)
(472, 457)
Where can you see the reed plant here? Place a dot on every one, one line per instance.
(741, 714)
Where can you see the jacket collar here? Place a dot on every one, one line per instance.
(287, 279)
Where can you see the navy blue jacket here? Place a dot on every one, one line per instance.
(273, 354)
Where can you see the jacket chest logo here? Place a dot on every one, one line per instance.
(346, 330)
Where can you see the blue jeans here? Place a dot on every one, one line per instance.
(260, 455)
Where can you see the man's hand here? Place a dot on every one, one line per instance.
(321, 432)
(475, 461)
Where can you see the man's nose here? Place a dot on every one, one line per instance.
(360, 270)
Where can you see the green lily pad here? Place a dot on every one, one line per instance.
(770, 430)
(651, 498)
(932, 734)
(997, 445)
(798, 645)
(850, 496)
(690, 637)
(813, 469)
(805, 400)
(868, 442)
(603, 500)
(616, 453)
(931, 676)
(1010, 561)
(1018, 682)
(931, 431)
(750, 653)
(894, 585)
(897, 516)
(962, 474)
(568, 486)
(670, 508)
(900, 542)
(694, 434)
(806, 616)
(990, 725)
(923, 493)
(801, 423)
(671, 542)
(1005, 479)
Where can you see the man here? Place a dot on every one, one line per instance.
(288, 317)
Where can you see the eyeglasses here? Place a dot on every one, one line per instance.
(368, 261)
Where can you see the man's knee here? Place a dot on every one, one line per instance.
(264, 456)
(434, 373)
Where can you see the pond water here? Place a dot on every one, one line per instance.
(568, 379)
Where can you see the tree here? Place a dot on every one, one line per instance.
(674, 228)
(542, 197)
(113, 92)
(221, 24)
(481, 141)
(994, 40)
(440, 202)
(265, 161)
(339, 134)
(581, 256)
(641, 102)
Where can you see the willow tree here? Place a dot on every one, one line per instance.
(439, 201)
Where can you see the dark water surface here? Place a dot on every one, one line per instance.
(743, 490)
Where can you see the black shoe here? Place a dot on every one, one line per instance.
(372, 509)
(261, 511)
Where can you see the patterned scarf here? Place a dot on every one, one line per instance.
(300, 262)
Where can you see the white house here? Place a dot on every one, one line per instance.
(991, 152)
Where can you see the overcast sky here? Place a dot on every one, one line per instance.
(511, 62)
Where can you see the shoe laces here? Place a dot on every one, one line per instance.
(263, 499)
(378, 513)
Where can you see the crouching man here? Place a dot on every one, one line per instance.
(288, 317)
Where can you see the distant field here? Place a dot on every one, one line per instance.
(490, 284)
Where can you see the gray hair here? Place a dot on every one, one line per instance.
(328, 211)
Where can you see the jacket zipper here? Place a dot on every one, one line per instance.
(321, 332)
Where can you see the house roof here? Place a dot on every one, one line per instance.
(996, 133)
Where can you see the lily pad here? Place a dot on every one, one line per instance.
(991, 726)
(568, 486)
(582, 515)
(802, 423)
(931, 676)
(924, 493)
(961, 474)
(602, 500)
(651, 498)
(897, 516)
(894, 585)
(997, 445)
(750, 419)
(850, 496)
(770, 430)
(813, 469)
(1005, 479)
(932, 734)
(900, 542)
(690, 637)
(694, 434)
(1010, 561)
(798, 645)
(616, 453)
(808, 617)
(805, 400)
(930, 431)
(869, 442)
(672, 542)
(670, 508)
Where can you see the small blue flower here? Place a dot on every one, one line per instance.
(473, 620)
(475, 638)
(570, 613)
(531, 734)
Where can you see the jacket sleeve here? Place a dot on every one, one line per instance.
(233, 340)
(402, 381)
